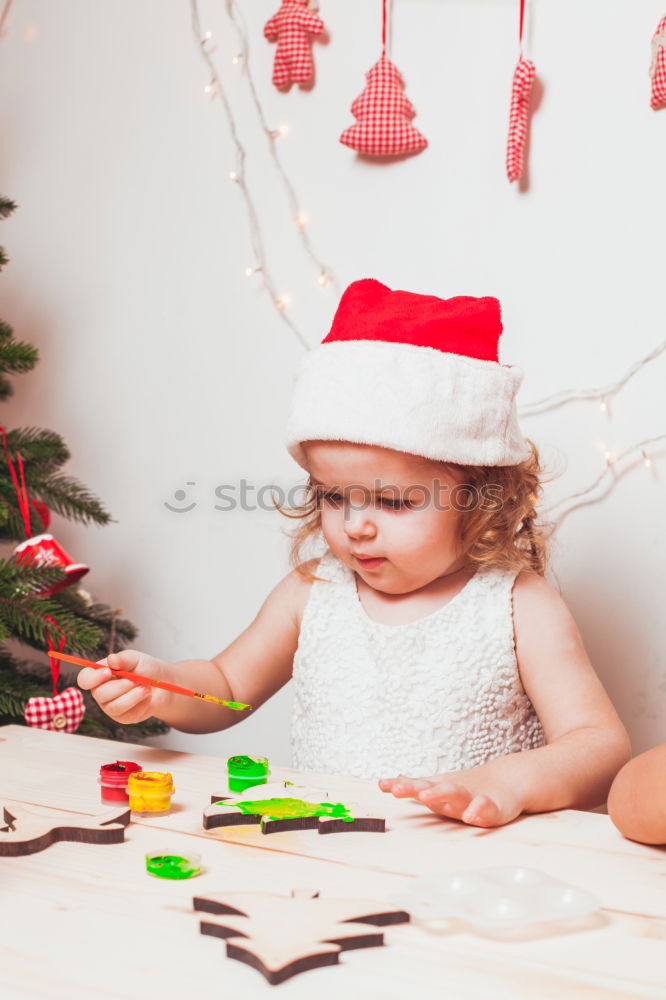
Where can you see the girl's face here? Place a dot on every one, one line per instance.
(376, 502)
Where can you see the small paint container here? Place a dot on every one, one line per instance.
(113, 780)
(150, 792)
(174, 867)
(244, 772)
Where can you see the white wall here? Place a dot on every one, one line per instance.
(162, 363)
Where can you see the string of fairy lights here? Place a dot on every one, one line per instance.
(562, 508)
(325, 275)
(214, 88)
(603, 395)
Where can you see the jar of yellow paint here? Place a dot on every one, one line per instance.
(150, 792)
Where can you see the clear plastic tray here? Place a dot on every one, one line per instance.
(496, 898)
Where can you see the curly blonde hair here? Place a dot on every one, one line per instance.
(503, 531)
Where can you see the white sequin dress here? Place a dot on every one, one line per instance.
(438, 694)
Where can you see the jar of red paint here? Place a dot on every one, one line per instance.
(113, 780)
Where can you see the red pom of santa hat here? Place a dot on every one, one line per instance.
(415, 373)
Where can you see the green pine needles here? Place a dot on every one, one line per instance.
(93, 630)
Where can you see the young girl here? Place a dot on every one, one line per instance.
(425, 642)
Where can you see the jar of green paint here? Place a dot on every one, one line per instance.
(173, 866)
(244, 772)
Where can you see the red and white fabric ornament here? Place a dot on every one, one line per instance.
(658, 67)
(292, 28)
(44, 550)
(384, 113)
(521, 92)
(63, 712)
(40, 550)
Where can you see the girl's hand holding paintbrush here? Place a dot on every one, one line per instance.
(123, 700)
(129, 701)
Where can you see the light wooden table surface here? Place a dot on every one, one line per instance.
(82, 922)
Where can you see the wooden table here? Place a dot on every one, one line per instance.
(82, 922)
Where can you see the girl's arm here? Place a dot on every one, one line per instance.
(256, 665)
(637, 800)
(586, 741)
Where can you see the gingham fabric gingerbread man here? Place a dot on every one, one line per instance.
(658, 67)
(292, 27)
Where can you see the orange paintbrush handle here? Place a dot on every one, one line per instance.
(152, 682)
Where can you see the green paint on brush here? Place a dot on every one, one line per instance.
(292, 809)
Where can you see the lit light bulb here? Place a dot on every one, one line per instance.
(301, 220)
(207, 37)
(283, 302)
(210, 88)
(277, 132)
(323, 279)
(249, 271)
(608, 458)
(603, 406)
(233, 176)
(647, 461)
(237, 59)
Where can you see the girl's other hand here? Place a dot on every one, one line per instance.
(476, 800)
(123, 700)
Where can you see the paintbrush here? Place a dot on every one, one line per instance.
(237, 706)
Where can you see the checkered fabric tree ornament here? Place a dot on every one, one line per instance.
(383, 112)
(658, 67)
(521, 91)
(292, 28)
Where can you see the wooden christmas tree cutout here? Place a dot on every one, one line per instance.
(281, 936)
(27, 832)
(283, 806)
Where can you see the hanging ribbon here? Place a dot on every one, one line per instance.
(384, 20)
(55, 664)
(19, 483)
(522, 24)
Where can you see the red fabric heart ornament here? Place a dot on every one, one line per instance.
(62, 713)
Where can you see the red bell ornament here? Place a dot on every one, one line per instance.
(44, 550)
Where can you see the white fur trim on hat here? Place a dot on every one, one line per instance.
(414, 399)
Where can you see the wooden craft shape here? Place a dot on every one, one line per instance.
(27, 832)
(281, 936)
(224, 811)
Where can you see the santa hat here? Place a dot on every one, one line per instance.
(414, 373)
